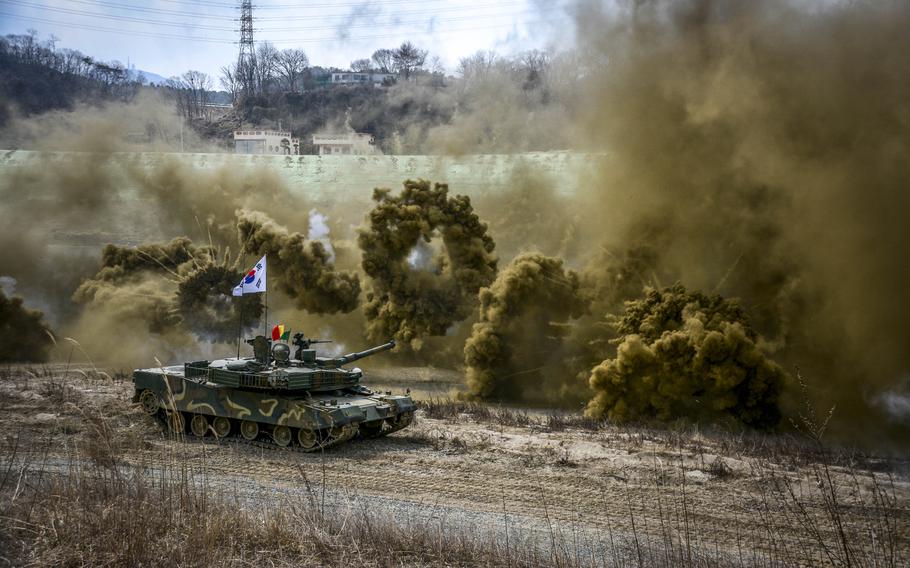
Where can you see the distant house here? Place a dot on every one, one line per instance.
(265, 142)
(344, 144)
(354, 78)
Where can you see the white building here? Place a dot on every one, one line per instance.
(265, 142)
(354, 78)
(344, 144)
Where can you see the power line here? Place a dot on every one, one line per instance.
(149, 21)
(324, 39)
(144, 9)
(92, 27)
(118, 17)
(135, 33)
(426, 12)
(289, 17)
(265, 6)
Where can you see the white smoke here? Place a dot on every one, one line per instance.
(319, 231)
(421, 257)
(896, 402)
(8, 285)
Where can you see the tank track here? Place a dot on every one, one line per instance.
(262, 441)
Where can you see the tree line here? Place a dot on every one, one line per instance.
(36, 75)
(271, 71)
(491, 103)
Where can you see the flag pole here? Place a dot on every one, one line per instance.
(266, 301)
(239, 325)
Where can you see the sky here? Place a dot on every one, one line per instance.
(169, 37)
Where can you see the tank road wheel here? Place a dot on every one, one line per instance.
(282, 435)
(199, 425)
(249, 430)
(372, 429)
(306, 438)
(148, 400)
(222, 426)
(175, 423)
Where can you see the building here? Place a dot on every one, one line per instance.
(341, 144)
(265, 142)
(353, 78)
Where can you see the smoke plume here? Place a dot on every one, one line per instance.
(761, 149)
(138, 284)
(207, 307)
(175, 287)
(685, 355)
(61, 209)
(304, 268)
(513, 351)
(415, 291)
(24, 335)
(123, 263)
(532, 212)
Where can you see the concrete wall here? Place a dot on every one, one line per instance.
(333, 177)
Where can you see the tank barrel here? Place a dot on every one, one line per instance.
(351, 357)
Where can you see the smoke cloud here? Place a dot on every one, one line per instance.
(756, 150)
(60, 210)
(207, 307)
(514, 349)
(24, 335)
(533, 212)
(411, 296)
(304, 268)
(686, 355)
(171, 288)
(761, 150)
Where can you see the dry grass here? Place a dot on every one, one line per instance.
(94, 512)
(809, 504)
(451, 409)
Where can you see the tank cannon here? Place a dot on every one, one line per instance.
(356, 356)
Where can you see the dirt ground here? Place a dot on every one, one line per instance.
(553, 479)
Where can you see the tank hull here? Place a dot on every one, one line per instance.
(325, 417)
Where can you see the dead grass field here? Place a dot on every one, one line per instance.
(87, 479)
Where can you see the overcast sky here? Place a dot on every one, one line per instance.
(169, 37)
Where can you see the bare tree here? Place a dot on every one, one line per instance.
(191, 91)
(361, 65)
(291, 64)
(478, 65)
(534, 65)
(230, 80)
(265, 68)
(384, 60)
(438, 72)
(110, 79)
(408, 58)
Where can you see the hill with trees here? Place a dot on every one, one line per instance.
(492, 103)
(36, 76)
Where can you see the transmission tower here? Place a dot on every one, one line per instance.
(246, 61)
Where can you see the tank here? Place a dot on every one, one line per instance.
(305, 402)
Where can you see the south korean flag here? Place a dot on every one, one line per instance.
(253, 282)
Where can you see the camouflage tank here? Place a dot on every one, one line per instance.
(307, 401)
